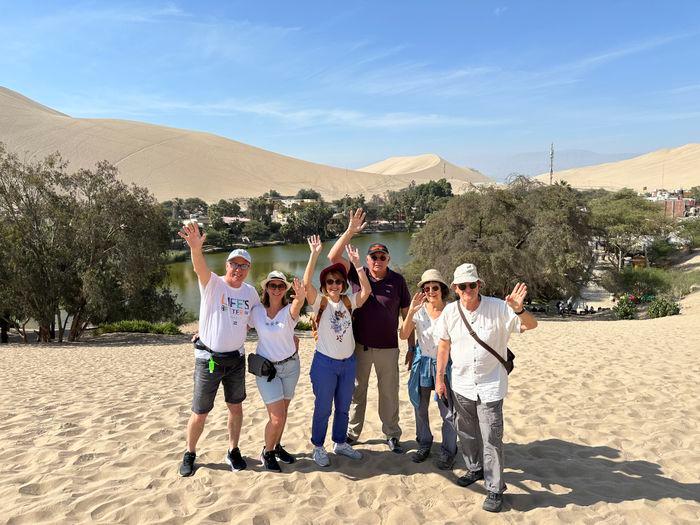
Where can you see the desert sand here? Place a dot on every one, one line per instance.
(669, 169)
(182, 163)
(601, 426)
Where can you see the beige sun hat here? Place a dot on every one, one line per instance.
(431, 275)
(466, 273)
(275, 275)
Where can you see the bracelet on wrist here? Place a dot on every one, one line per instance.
(520, 312)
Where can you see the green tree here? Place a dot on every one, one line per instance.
(195, 205)
(308, 193)
(256, 230)
(526, 232)
(623, 220)
(694, 193)
(307, 220)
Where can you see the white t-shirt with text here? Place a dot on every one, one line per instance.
(223, 315)
(475, 372)
(335, 338)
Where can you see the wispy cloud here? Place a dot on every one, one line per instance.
(139, 106)
(500, 10)
(690, 88)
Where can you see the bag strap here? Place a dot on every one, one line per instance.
(315, 321)
(347, 303)
(476, 338)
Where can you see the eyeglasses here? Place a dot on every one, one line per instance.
(334, 281)
(273, 286)
(380, 257)
(237, 266)
(463, 286)
(433, 288)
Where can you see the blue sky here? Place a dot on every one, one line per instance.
(351, 83)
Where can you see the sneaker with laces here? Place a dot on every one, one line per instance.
(420, 455)
(469, 478)
(321, 457)
(445, 462)
(493, 502)
(283, 455)
(395, 446)
(187, 466)
(235, 460)
(269, 460)
(344, 449)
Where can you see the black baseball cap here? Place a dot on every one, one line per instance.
(377, 247)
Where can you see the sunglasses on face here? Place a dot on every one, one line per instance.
(237, 266)
(334, 281)
(433, 288)
(378, 257)
(463, 286)
(280, 286)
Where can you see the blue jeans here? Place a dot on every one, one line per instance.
(333, 381)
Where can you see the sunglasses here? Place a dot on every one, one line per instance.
(273, 286)
(433, 288)
(379, 257)
(237, 266)
(463, 286)
(334, 281)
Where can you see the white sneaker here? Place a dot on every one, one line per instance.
(321, 457)
(344, 449)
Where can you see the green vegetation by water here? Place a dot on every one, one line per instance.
(289, 258)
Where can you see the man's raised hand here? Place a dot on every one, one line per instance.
(357, 221)
(193, 237)
(516, 298)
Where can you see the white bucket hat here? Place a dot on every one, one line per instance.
(240, 252)
(275, 275)
(466, 273)
(431, 275)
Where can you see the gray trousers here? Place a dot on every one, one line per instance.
(424, 436)
(480, 430)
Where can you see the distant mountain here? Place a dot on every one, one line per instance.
(670, 169)
(534, 163)
(180, 163)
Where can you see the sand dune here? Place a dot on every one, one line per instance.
(601, 426)
(180, 163)
(665, 168)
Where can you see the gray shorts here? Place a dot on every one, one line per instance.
(206, 384)
(284, 383)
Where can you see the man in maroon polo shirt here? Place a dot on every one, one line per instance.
(375, 328)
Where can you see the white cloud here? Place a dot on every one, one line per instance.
(500, 10)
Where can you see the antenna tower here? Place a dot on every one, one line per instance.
(551, 163)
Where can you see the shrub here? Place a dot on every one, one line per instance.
(661, 307)
(641, 282)
(138, 326)
(303, 325)
(625, 308)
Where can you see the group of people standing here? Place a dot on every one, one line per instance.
(355, 315)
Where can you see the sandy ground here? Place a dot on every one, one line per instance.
(601, 426)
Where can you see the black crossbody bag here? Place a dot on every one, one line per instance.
(507, 363)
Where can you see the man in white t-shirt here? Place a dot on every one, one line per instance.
(479, 379)
(225, 307)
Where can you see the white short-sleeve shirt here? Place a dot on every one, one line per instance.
(426, 334)
(335, 338)
(475, 372)
(276, 335)
(223, 315)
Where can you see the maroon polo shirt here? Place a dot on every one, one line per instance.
(376, 324)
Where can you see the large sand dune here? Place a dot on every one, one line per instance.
(665, 168)
(601, 426)
(180, 163)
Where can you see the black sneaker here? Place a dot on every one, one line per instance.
(187, 467)
(269, 461)
(283, 455)
(420, 455)
(445, 462)
(235, 460)
(493, 502)
(395, 446)
(469, 478)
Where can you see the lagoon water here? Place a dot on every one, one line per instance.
(290, 258)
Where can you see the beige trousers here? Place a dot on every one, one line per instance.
(386, 366)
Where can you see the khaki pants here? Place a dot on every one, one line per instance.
(386, 366)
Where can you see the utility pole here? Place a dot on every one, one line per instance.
(551, 163)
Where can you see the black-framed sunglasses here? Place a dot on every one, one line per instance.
(433, 288)
(378, 257)
(273, 286)
(463, 286)
(334, 281)
(237, 266)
